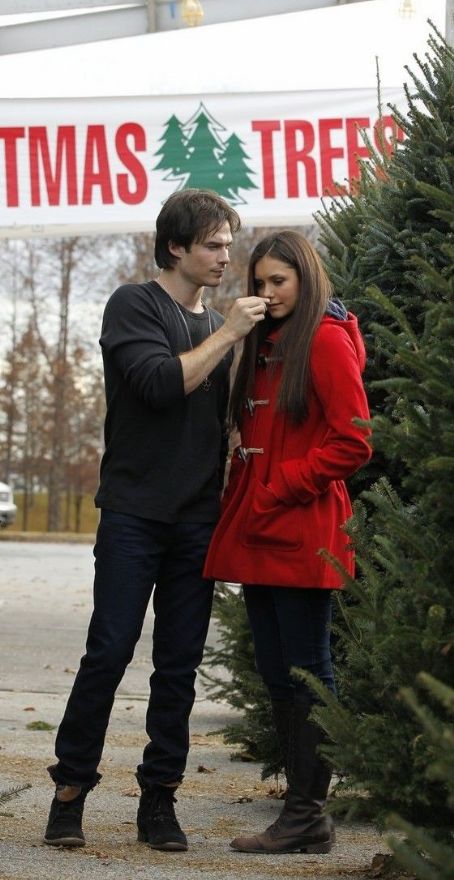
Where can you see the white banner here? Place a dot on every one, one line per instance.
(81, 166)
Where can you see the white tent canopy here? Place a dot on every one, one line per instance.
(327, 48)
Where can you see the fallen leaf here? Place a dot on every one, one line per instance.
(40, 725)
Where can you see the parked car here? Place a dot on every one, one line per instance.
(8, 509)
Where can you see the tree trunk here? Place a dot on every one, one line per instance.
(78, 511)
(25, 505)
(67, 524)
(60, 381)
(10, 385)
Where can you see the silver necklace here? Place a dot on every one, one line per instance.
(205, 385)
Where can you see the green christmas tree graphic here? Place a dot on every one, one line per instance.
(236, 171)
(173, 151)
(204, 165)
(195, 154)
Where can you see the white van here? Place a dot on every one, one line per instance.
(8, 509)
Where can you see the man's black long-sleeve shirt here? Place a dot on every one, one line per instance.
(164, 451)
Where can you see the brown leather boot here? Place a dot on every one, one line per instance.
(301, 826)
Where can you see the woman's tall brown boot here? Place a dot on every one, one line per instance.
(302, 826)
(282, 716)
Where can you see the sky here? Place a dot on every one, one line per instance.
(324, 48)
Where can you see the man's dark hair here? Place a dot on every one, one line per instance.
(187, 217)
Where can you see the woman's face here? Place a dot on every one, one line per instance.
(279, 282)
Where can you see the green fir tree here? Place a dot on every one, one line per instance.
(204, 147)
(397, 619)
(173, 151)
(371, 236)
(236, 171)
(419, 852)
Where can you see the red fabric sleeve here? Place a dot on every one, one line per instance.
(336, 379)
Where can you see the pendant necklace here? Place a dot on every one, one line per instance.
(205, 385)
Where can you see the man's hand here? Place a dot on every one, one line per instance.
(245, 313)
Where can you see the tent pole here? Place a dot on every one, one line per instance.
(151, 13)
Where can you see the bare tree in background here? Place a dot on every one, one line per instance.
(32, 452)
(84, 447)
(66, 252)
(8, 389)
(48, 274)
(135, 259)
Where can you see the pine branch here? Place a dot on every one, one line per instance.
(11, 793)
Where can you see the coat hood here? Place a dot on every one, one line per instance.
(350, 326)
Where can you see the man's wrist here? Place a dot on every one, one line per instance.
(227, 334)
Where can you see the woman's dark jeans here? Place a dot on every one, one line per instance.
(133, 554)
(290, 627)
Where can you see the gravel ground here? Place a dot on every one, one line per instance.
(44, 606)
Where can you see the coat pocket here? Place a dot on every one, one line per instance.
(271, 524)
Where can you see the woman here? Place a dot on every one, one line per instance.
(296, 395)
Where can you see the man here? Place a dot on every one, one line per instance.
(166, 363)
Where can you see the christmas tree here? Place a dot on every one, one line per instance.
(205, 148)
(419, 852)
(370, 236)
(401, 620)
(236, 171)
(173, 150)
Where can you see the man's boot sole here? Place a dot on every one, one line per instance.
(64, 841)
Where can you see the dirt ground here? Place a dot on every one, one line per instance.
(45, 601)
(219, 799)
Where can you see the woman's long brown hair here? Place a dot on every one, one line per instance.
(295, 339)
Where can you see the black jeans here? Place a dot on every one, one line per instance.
(136, 558)
(290, 627)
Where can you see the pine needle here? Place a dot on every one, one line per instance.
(11, 793)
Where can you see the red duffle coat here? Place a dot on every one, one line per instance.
(288, 500)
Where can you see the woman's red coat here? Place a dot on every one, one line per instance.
(282, 506)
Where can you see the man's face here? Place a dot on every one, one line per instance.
(204, 264)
